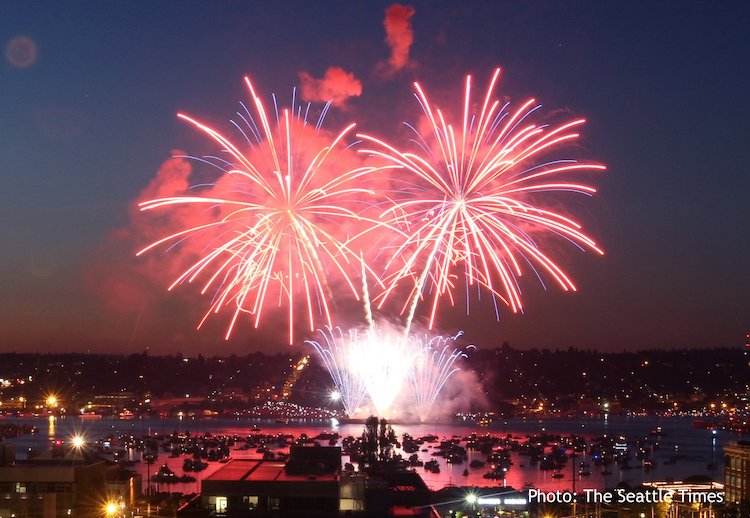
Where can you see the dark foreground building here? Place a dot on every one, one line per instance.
(737, 472)
(309, 484)
(306, 485)
(51, 486)
(267, 488)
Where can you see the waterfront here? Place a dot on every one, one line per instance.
(682, 450)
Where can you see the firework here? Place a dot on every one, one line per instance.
(434, 364)
(337, 352)
(472, 208)
(275, 219)
(372, 361)
(378, 363)
(383, 361)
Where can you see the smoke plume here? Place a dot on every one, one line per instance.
(337, 85)
(399, 37)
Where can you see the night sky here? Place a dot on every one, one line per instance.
(89, 93)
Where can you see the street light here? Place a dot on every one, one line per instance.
(78, 442)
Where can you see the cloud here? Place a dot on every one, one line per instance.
(399, 36)
(337, 85)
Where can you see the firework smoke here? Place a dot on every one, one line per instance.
(275, 220)
(399, 36)
(336, 86)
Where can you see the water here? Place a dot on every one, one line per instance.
(684, 450)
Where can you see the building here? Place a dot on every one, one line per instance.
(397, 493)
(737, 471)
(123, 486)
(307, 483)
(51, 486)
(310, 483)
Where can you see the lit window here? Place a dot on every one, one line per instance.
(250, 502)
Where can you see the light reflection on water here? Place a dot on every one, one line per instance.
(684, 451)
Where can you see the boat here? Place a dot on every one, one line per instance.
(90, 416)
(495, 474)
(150, 457)
(164, 475)
(167, 476)
(432, 466)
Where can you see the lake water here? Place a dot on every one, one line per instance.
(684, 450)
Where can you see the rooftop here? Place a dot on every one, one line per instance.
(260, 470)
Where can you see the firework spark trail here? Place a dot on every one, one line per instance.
(275, 207)
(433, 366)
(366, 296)
(380, 362)
(467, 212)
(337, 351)
(374, 361)
(383, 361)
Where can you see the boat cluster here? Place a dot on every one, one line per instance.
(494, 453)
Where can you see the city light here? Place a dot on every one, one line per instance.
(52, 400)
(78, 441)
(110, 508)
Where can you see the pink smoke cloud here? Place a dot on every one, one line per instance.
(399, 36)
(114, 274)
(337, 85)
(135, 287)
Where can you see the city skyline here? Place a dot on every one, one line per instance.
(90, 104)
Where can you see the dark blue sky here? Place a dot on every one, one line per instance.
(85, 127)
